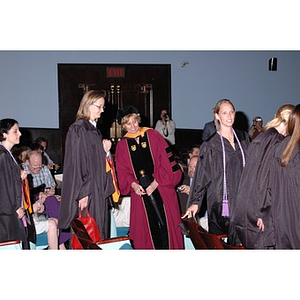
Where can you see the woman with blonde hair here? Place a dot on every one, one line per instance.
(218, 171)
(252, 216)
(284, 187)
(86, 182)
(148, 173)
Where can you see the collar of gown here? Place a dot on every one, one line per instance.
(140, 132)
(93, 123)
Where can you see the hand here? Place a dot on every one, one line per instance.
(38, 207)
(185, 189)
(191, 211)
(106, 145)
(58, 197)
(152, 187)
(138, 189)
(23, 174)
(50, 191)
(260, 224)
(83, 203)
(20, 212)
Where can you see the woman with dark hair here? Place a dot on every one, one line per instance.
(148, 173)
(86, 182)
(218, 171)
(12, 214)
(252, 214)
(284, 187)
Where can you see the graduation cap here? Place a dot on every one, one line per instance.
(127, 110)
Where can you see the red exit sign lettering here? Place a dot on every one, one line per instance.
(113, 72)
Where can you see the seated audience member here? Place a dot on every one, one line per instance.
(193, 151)
(44, 201)
(48, 161)
(20, 153)
(256, 127)
(121, 213)
(184, 188)
(184, 191)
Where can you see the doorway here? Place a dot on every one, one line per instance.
(145, 86)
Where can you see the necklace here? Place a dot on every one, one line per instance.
(225, 209)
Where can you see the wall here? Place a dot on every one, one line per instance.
(29, 91)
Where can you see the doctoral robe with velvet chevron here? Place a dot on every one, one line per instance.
(150, 153)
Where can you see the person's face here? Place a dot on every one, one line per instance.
(163, 112)
(226, 115)
(22, 156)
(44, 145)
(34, 164)
(192, 167)
(257, 123)
(132, 126)
(96, 109)
(281, 128)
(195, 152)
(12, 137)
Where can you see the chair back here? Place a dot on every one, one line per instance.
(11, 245)
(117, 243)
(214, 241)
(191, 228)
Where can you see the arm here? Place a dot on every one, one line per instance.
(171, 127)
(167, 172)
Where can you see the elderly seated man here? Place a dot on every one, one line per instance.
(44, 201)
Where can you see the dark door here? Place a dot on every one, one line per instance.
(147, 87)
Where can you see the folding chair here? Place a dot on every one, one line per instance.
(117, 243)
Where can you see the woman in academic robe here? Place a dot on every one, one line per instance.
(12, 214)
(218, 171)
(284, 187)
(252, 215)
(147, 171)
(86, 184)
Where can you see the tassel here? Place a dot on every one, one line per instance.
(225, 210)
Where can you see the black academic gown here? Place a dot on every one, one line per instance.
(285, 198)
(251, 202)
(208, 179)
(85, 175)
(11, 227)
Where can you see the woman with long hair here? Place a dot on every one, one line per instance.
(252, 215)
(218, 171)
(284, 187)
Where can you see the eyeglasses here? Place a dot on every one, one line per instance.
(35, 167)
(99, 107)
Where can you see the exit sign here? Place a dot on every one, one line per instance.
(115, 72)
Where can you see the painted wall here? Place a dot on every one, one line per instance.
(29, 88)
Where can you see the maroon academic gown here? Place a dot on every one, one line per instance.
(167, 174)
